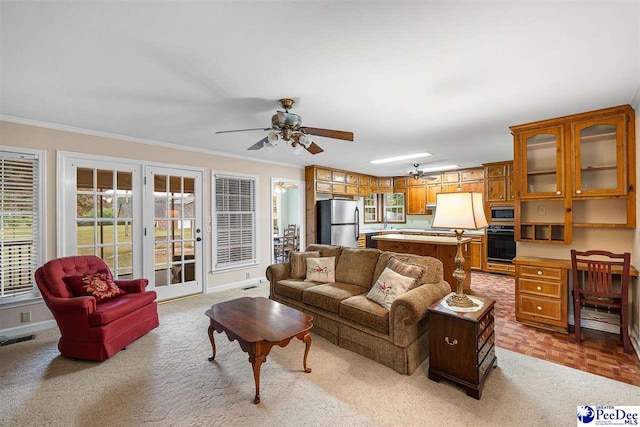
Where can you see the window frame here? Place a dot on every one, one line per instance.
(40, 236)
(404, 208)
(238, 265)
(376, 199)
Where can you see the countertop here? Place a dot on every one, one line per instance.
(420, 230)
(433, 240)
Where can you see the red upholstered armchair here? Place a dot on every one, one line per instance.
(95, 330)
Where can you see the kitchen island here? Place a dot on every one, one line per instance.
(444, 248)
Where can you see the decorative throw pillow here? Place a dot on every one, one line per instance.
(298, 262)
(408, 270)
(99, 285)
(321, 270)
(389, 286)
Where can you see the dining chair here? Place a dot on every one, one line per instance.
(595, 284)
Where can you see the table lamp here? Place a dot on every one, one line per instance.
(459, 211)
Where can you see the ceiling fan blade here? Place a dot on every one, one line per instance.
(260, 144)
(241, 130)
(314, 148)
(335, 134)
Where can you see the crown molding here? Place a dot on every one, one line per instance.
(65, 128)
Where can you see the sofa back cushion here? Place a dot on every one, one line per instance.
(433, 266)
(298, 262)
(356, 266)
(325, 250)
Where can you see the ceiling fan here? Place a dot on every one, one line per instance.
(288, 127)
(282, 187)
(416, 173)
(419, 173)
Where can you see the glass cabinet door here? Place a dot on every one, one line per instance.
(599, 157)
(543, 163)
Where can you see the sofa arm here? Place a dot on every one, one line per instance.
(85, 304)
(277, 272)
(410, 308)
(133, 286)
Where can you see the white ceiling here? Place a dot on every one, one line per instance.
(444, 77)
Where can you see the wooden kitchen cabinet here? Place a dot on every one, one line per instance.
(385, 185)
(499, 182)
(432, 190)
(541, 293)
(416, 200)
(462, 345)
(323, 174)
(583, 165)
(475, 252)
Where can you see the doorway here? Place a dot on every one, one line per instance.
(287, 218)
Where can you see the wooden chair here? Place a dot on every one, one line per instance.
(289, 241)
(593, 285)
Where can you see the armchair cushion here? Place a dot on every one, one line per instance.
(118, 307)
(99, 285)
(132, 286)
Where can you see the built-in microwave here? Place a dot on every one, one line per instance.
(502, 214)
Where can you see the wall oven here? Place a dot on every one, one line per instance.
(502, 214)
(501, 244)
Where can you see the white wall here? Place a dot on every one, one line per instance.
(52, 140)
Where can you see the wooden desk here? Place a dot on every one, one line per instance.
(542, 291)
(442, 248)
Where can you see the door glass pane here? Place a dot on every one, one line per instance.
(102, 196)
(541, 163)
(598, 157)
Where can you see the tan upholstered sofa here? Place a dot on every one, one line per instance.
(398, 338)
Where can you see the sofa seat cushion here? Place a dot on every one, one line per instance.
(362, 310)
(329, 295)
(120, 306)
(293, 288)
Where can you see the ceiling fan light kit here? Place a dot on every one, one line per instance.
(288, 127)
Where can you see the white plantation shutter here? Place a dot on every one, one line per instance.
(19, 224)
(234, 231)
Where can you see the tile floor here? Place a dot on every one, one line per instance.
(599, 353)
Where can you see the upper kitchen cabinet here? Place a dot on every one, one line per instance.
(599, 160)
(575, 171)
(499, 182)
(540, 156)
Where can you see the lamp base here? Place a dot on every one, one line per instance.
(462, 300)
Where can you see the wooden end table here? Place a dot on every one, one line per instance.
(461, 345)
(258, 324)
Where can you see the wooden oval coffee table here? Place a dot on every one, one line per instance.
(258, 324)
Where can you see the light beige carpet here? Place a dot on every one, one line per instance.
(164, 379)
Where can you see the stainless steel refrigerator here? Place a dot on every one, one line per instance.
(338, 222)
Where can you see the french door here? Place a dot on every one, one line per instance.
(173, 231)
(143, 221)
(101, 215)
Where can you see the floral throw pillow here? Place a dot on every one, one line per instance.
(389, 286)
(321, 270)
(99, 285)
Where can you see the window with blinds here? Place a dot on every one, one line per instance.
(19, 224)
(234, 231)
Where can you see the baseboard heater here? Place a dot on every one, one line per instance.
(6, 341)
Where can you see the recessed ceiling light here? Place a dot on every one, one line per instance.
(395, 159)
(440, 168)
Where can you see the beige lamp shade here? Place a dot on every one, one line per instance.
(459, 211)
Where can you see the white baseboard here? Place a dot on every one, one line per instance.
(234, 285)
(21, 330)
